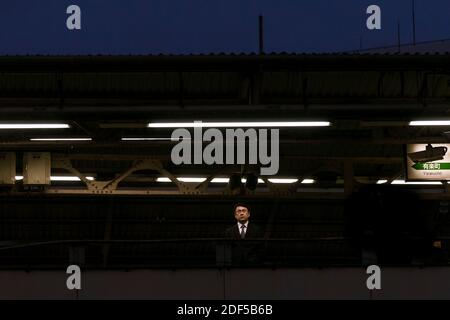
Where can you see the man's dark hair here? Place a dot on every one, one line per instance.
(241, 205)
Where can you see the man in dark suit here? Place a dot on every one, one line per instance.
(244, 251)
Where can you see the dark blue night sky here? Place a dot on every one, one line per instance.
(205, 26)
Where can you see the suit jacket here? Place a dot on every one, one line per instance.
(245, 252)
(252, 232)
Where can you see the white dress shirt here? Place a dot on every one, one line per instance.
(245, 228)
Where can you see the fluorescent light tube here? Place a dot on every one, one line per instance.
(182, 179)
(430, 123)
(278, 180)
(7, 126)
(61, 178)
(153, 139)
(417, 183)
(239, 124)
(61, 139)
(68, 178)
(226, 180)
(244, 180)
(220, 180)
(202, 179)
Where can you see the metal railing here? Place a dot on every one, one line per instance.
(201, 252)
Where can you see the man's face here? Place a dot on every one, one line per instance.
(241, 214)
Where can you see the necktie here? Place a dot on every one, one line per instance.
(242, 231)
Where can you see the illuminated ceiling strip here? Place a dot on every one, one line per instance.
(275, 180)
(239, 124)
(226, 180)
(153, 139)
(430, 123)
(61, 139)
(61, 178)
(6, 126)
(403, 182)
(68, 178)
(182, 179)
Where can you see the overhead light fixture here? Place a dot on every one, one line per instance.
(226, 180)
(239, 124)
(403, 182)
(68, 178)
(154, 139)
(278, 180)
(61, 139)
(182, 179)
(244, 180)
(11, 126)
(61, 178)
(220, 180)
(416, 182)
(430, 123)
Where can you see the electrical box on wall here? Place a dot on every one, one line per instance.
(36, 168)
(7, 168)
